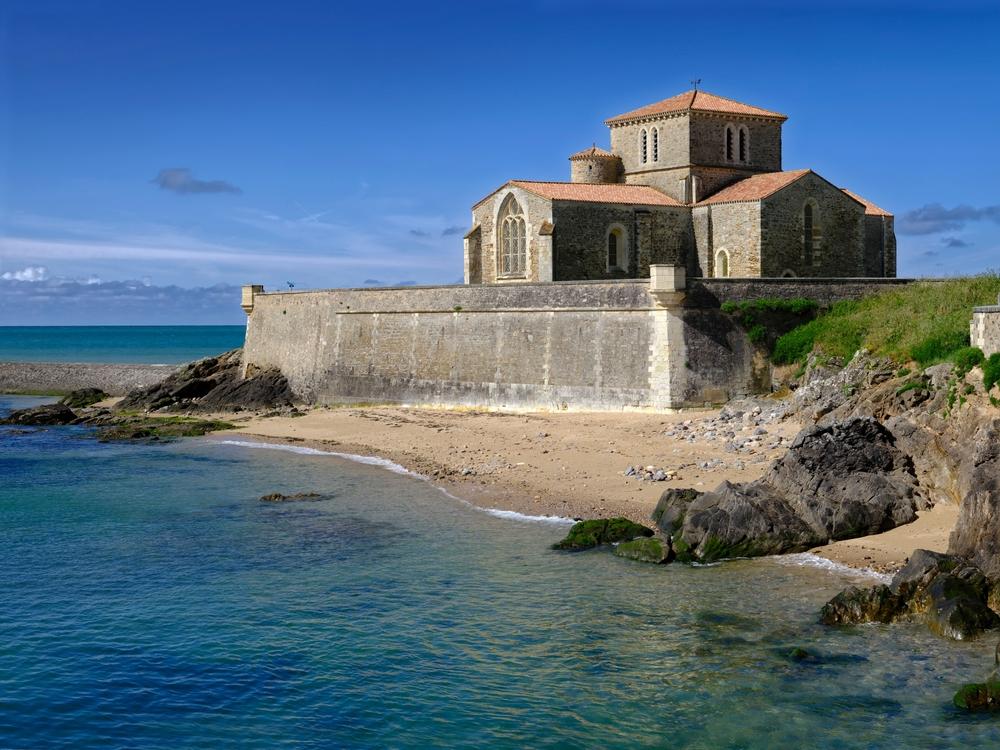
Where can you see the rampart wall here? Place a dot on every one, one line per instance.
(603, 345)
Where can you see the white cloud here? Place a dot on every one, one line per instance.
(31, 273)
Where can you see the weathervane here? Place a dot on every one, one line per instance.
(695, 82)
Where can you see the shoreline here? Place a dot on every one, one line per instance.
(572, 465)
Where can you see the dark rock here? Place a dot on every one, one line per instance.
(46, 414)
(978, 696)
(649, 549)
(799, 654)
(213, 384)
(156, 429)
(977, 531)
(277, 497)
(83, 397)
(746, 520)
(837, 481)
(598, 531)
(671, 508)
(856, 605)
(944, 592)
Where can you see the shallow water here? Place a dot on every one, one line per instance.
(151, 600)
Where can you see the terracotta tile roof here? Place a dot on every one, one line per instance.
(870, 208)
(639, 195)
(594, 151)
(755, 188)
(699, 101)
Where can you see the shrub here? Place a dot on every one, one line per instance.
(991, 371)
(926, 321)
(966, 358)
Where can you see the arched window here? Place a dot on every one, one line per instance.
(656, 144)
(722, 265)
(744, 144)
(512, 238)
(617, 249)
(643, 145)
(729, 143)
(810, 233)
(788, 273)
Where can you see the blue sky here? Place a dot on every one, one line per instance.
(174, 149)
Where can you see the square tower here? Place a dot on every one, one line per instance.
(694, 144)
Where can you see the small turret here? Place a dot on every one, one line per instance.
(595, 166)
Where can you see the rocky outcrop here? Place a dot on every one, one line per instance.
(598, 531)
(213, 384)
(277, 497)
(837, 481)
(649, 549)
(45, 415)
(945, 592)
(83, 397)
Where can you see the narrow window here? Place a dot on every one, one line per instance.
(744, 144)
(643, 145)
(722, 265)
(656, 144)
(729, 142)
(512, 238)
(807, 234)
(613, 250)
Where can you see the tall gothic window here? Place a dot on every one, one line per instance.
(808, 234)
(643, 145)
(729, 142)
(656, 144)
(744, 144)
(512, 238)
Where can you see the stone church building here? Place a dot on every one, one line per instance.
(694, 180)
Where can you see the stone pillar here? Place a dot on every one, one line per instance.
(984, 330)
(249, 292)
(545, 257)
(667, 351)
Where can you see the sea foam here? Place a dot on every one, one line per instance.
(811, 560)
(384, 463)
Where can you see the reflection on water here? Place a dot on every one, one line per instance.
(151, 600)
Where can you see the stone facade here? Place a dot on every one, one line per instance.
(693, 149)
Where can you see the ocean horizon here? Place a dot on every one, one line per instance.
(120, 344)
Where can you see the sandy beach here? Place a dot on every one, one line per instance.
(574, 464)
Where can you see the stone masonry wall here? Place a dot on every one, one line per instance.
(985, 329)
(735, 229)
(708, 133)
(537, 210)
(654, 234)
(838, 219)
(578, 345)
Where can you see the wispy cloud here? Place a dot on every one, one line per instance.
(181, 180)
(419, 233)
(934, 218)
(956, 242)
(452, 231)
(30, 274)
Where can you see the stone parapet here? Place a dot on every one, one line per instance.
(984, 331)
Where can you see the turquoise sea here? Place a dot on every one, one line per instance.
(166, 345)
(151, 600)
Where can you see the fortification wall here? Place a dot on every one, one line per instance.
(985, 329)
(604, 345)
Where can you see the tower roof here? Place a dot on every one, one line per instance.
(593, 153)
(755, 188)
(695, 101)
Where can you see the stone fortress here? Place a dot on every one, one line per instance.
(695, 180)
(602, 293)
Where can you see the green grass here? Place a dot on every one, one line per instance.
(991, 372)
(927, 322)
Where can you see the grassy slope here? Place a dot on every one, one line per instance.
(926, 322)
